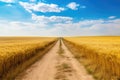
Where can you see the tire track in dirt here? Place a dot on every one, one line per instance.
(69, 68)
(57, 64)
(44, 69)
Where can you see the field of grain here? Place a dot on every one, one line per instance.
(16, 50)
(101, 55)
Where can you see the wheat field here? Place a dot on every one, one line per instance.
(100, 55)
(16, 50)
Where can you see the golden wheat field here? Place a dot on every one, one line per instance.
(16, 50)
(102, 55)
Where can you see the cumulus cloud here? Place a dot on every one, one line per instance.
(32, 0)
(51, 19)
(36, 0)
(73, 5)
(112, 17)
(90, 28)
(8, 1)
(41, 7)
(81, 28)
(17, 28)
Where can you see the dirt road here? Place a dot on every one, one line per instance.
(56, 65)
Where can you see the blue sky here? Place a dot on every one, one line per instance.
(59, 17)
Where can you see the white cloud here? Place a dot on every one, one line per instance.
(112, 17)
(36, 0)
(81, 28)
(89, 28)
(32, 0)
(27, 6)
(73, 5)
(41, 7)
(51, 19)
(16, 28)
(8, 1)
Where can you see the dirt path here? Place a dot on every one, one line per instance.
(56, 65)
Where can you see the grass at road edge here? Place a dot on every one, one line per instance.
(20, 68)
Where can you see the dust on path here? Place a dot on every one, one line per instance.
(53, 66)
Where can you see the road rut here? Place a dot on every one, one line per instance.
(56, 66)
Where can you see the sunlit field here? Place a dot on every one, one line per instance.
(16, 50)
(101, 55)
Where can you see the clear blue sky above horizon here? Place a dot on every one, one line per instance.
(59, 17)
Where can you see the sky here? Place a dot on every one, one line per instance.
(59, 17)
